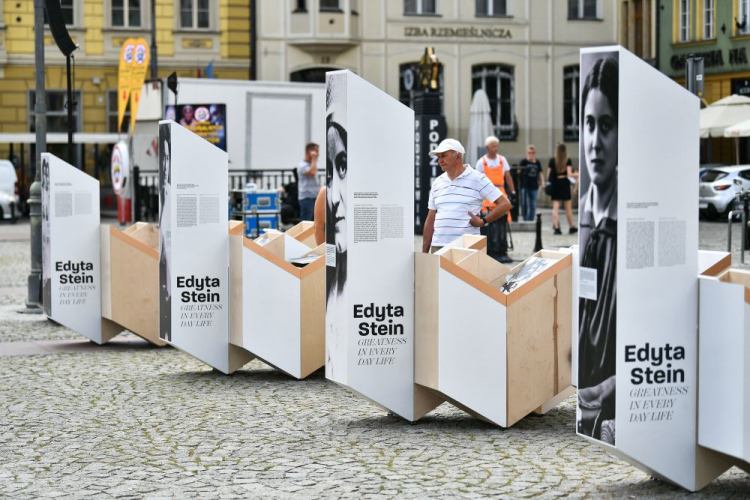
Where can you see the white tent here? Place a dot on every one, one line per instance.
(722, 114)
(480, 127)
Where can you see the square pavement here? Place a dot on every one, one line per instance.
(134, 421)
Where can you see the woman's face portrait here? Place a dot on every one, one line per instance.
(165, 161)
(600, 138)
(187, 114)
(336, 166)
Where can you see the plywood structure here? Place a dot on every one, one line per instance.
(498, 355)
(724, 358)
(130, 279)
(283, 304)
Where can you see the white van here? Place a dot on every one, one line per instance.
(9, 199)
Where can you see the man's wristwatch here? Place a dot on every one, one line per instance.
(483, 219)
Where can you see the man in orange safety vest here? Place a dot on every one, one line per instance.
(497, 170)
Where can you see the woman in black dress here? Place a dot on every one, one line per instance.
(559, 173)
(597, 353)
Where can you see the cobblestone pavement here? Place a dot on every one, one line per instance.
(156, 423)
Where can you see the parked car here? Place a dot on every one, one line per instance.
(705, 167)
(717, 189)
(9, 199)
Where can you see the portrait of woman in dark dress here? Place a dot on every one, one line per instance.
(336, 226)
(597, 361)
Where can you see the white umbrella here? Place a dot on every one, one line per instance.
(480, 126)
(742, 129)
(722, 114)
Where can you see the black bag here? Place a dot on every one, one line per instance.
(548, 188)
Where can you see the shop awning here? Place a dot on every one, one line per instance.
(62, 138)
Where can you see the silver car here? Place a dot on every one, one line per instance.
(8, 191)
(717, 189)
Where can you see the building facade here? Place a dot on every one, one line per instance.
(638, 21)
(719, 31)
(190, 34)
(525, 54)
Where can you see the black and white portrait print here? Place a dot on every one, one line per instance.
(336, 224)
(165, 276)
(597, 343)
(46, 244)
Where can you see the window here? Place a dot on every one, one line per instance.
(571, 91)
(743, 26)
(708, 19)
(57, 112)
(126, 13)
(497, 81)
(67, 11)
(583, 9)
(420, 6)
(492, 7)
(194, 14)
(684, 19)
(300, 6)
(112, 113)
(330, 5)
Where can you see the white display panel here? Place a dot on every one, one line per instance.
(271, 305)
(638, 360)
(724, 373)
(476, 378)
(71, 271)
(370, 243)
(194, 245)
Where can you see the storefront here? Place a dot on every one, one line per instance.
(527, 64)
(719, 31)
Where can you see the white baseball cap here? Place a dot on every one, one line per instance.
(448, 145)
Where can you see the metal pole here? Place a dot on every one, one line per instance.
(71, 125)
(154, 64)
(729, 231)
(34, 299)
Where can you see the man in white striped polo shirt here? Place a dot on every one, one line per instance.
(456, 199)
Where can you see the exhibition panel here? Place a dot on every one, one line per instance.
(512, 327)
(637, 344)
(70, 249)
(370, 246)
(283, 300)
(130, 279)
(724, 376)
(194, 248)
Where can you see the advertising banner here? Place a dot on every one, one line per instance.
(194, 245)
(120, 167)
(124, 78)
(638, 248)
(140, 62)
(370, 243)
(429, 131)
(206, 120)
(70, 247)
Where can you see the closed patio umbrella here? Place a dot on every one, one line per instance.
(480, 127)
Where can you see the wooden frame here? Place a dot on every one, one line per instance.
(130, 281)
(724, 361)
(518, 344)
(283, 306)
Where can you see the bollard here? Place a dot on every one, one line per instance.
(744, 234)
(538, 244)
(729, 231)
